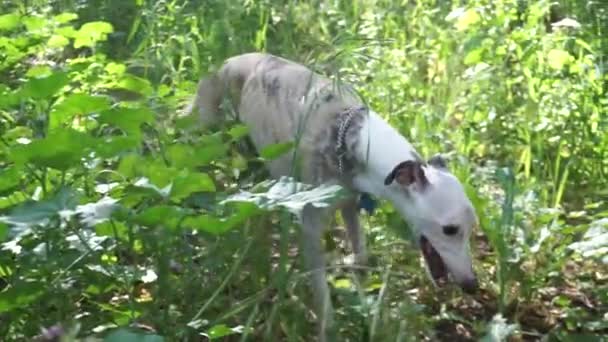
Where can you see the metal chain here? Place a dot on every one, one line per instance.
(345, 119)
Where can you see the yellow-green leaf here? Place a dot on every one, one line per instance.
(557, 58)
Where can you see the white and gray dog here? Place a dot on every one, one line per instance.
(340, 140)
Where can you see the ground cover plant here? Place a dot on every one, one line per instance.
(118, 220)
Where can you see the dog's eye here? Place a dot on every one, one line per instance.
(450, 229)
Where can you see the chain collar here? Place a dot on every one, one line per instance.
(344, 121)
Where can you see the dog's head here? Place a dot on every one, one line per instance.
(435, 204)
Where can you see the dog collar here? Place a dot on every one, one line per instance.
(367, 203)
(344, 122)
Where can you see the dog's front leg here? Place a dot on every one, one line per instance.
(350, 215)
(313, 225)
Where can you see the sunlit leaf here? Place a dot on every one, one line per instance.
(498, 330)
(31, 214)
(94, 213)
(135, 84)
(222, 330)
(65, 17)
(288, 194)
(594, 243)
(9, 21)
(557, 58)
(58, 41)
(217, 225)
(90, 33)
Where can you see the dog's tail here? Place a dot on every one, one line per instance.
(226, 83)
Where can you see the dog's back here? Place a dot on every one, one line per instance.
(280, 101)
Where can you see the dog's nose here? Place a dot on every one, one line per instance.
(469, 286)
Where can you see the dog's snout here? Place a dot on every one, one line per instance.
(469, 286)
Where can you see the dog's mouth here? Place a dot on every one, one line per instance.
(435, 264)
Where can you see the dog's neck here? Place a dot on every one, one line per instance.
(379, 149)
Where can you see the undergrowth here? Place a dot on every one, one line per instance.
(116, 215)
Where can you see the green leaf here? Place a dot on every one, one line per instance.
(76, 104)
(128, 335)
(135, 84)
(45, 87)
(274, 151)
(31, 214)
(127, 119)
(464, 18)
(238, 131)
(287, 194)
(10, 177)
(216, 225)
(113, 146)
(188, 156)
(187, 183)
(162, 215)
(222, 330)
(90, 33)
(65, 17)
(557, 58)
(9, 21)
(20, 296)
(60, 150)
(3, 231)
(58, 41)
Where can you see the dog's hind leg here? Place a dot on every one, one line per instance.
(314, 222)
(350, 215)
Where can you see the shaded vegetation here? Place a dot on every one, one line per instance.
(113, 210)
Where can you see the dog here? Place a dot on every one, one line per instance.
(339, 140)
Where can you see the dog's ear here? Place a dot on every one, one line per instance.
(407, 173)
(438, 161)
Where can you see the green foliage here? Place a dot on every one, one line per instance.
(116, 214)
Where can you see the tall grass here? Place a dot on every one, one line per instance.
(492, 84)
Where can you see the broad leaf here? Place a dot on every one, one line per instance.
(187, 183)
(558, 58)
(10, 177)
(215, 225)
(31, 214)
(133, 83)
(594, 243)
(44, 87)
(498, 329)
(20, 296)
(288, 194)
(163, 215)
(112, 146)
(91, 33)
(127, 119)
(76, 104)
(274, 151)
(60, 150)
(9, 21)
(94, 213)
